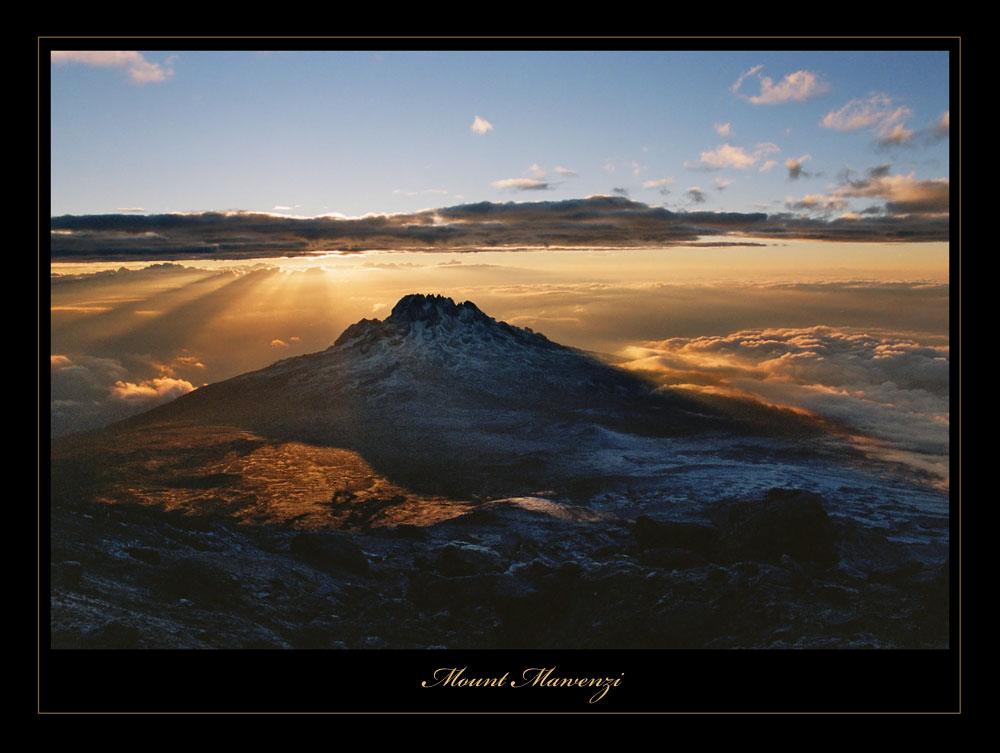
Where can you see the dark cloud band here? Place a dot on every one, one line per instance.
(598, 221)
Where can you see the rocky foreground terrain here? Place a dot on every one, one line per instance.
(386, 493)
(776, 572)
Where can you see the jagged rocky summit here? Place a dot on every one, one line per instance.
(435, 317)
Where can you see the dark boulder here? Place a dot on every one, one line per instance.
(201, 579)
(656, 534)
(329, 551)
(467, 559)
(787, 521)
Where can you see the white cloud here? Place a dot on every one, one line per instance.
(521, 184)
(480, 125)
(876, 112)
(536, 172)
(858, 113)
(723, 129)
(566, 171)
(659, 183)
(739, 82)
(139, 70)
(727, 155)
(794, 87)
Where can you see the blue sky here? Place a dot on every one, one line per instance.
(392, 131)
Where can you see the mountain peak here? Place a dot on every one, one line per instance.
(417, 307)
(435, 319)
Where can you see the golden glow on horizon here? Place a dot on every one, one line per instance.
(796, 261)
(201, 322)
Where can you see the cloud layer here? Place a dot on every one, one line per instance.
(891, 386)
(597, 221)
(88, 391)
(903, 195)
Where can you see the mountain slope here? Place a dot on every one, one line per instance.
(441, 390)
(443, 399)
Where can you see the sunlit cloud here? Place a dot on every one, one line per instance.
(941, 128)
(721, 184)
(566, 172)
(937, 131)
(859, 113)
(889, 385)
(90, 391)
(723, 129)
(139, 70)
(794, 87)
(727, 155)
(658, 183)
(879, 113)
(151, 392)
(480, 125)
(904, 194)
